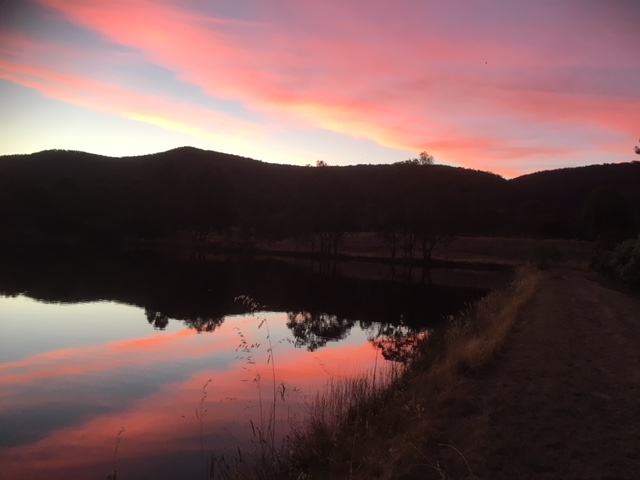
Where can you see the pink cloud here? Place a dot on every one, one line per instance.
(409, 84)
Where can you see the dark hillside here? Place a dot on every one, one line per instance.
(560, 202)
(189, 193)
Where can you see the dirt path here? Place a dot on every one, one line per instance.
(563, 399)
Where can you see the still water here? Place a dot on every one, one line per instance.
(137, 364)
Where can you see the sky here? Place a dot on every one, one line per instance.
(508, 86)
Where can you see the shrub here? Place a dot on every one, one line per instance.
(622, 263)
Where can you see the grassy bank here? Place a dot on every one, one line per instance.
(384, 424)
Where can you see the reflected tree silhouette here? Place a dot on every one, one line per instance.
(397, 343)
(315, 330)
(203, 324)
(158, 319)
(199, 323)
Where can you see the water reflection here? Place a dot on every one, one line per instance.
(61, 410)
(200, 324)
(397, 343)
(166, 285)
(314, 330)
(73, 374)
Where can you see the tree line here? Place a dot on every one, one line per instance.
(198, 195)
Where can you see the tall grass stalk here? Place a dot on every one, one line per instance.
(114, 471)
(200, 414)
(264, 433)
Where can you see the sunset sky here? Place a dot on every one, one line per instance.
(508, 86)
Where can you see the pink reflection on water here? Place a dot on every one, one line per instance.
(165, 424)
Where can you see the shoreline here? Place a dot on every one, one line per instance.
(539, 381)
(473, 253)
(380, 432)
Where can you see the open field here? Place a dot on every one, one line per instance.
(479, 250)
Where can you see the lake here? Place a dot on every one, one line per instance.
(147, 362)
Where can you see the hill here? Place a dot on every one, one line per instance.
(562, 200)
(67, 194)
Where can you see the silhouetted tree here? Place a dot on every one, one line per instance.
(408, 239)
(426, 159)
(389, 238)
(423, 159)
(438, 219)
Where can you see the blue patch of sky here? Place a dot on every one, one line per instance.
(20, 15)
(31, 123)
(46, 25)
(159, 81)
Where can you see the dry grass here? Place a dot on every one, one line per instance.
(381, 425)
(339, 421)
(344, 395)
(473, 338)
